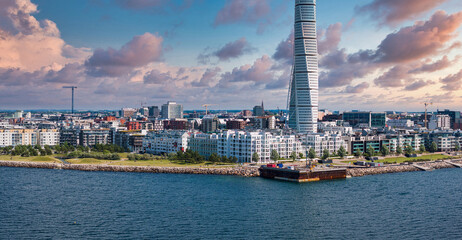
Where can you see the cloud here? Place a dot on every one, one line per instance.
(329, 39)
(157, 77)
(399, 53)
(233, 50)
(285, 50)
(229, 51)
(153, 6)
(140, 51)
(357, 88)
(435, 66)
(235, 11)
(393, 12)
(29, 44)
(418, 85)
(452, 82)
(420, 40)
(208, 78)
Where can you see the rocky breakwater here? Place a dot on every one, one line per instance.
(359, 172)
(236, 171)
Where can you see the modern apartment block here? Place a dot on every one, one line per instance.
(243, 145)
(204, 144)
(441, 122)
(331, 142)
(165, 142)
(48, 137)
(303, 87)
(91, 137)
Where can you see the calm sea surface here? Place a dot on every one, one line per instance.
(62, 204)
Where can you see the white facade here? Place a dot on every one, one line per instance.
(166, 142)
(400, 123)
(331, 142)
(18, 114)
(243, 145)
(48, 137)
(172, 110)
(442, 122)
(303, 87)
(334, 128)
(13, 137)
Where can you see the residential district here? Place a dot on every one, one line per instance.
(245, 136)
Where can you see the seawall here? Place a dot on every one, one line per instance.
(359, 172)
(236, 171)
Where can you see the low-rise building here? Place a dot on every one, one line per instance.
(165, 142)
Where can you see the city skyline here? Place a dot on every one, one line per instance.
(231, 53)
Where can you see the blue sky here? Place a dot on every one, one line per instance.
(234, 53)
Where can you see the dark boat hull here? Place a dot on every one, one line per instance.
(301, 175)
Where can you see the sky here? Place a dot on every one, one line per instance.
(373, 54)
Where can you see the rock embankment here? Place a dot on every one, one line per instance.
(236, 171)
(358, 172)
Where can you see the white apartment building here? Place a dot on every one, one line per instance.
(165, 142)
(321, 141)
(442, 122)
(48, 137)
(243, 145)
(334, 128)
(172, 110)
(400, 123)
(13, 137)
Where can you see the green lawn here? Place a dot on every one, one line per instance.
(50, 159)
(89, 161)
(168, 163)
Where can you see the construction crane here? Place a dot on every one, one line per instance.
(426, 104)
(72, 87)
(206, 107)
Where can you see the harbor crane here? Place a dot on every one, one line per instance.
(426, 104)
(72, 87)
(206, 107)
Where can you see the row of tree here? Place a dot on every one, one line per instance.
(27, 150)
(96, 155)
(189, 156)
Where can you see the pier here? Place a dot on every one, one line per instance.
(454, 164)
(421, 167)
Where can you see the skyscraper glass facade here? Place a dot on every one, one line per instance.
(303, 88)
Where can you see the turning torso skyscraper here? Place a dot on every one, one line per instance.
(303, 88)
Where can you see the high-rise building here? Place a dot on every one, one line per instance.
(172, 110)
(303, 87)
(259, 110)
(154, 111)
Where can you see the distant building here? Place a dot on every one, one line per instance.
(172, 110)
(18, 114)
(91, 137)
(442, 122)
(235, 124)
(204, 144)
(209, 124)
(455, 119)
(48, 137)
(268, 122)
(127, 112)
(400, 123)
(154, 111)
(321, 141)
(176, 124)
(165, 142)
(246, 113)
(131, 140)
(259, 110)
(368, 119)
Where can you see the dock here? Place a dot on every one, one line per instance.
(454, 164)
(422, 167)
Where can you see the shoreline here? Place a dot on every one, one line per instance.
(236, 171)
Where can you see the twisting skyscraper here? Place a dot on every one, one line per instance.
(303, 88)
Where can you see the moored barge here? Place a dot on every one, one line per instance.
(301, 175)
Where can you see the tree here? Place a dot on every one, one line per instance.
(433, 147)
(457, 147)
(325, 154)
(214, 158)
(311, 154)
(358, 153)
(274, 155)
(224, 159)
(342, 152)
(408, 150)
(370, 152)
(399, 150)
(422, 148)
(293, 156)
(255, 157)
(384, 150)
(233, 159)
